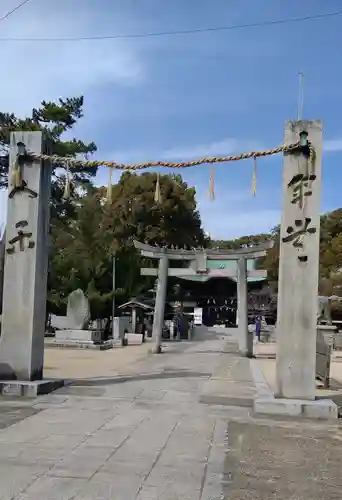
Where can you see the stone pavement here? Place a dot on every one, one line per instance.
(144, 435)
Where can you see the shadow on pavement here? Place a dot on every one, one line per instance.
(165, 374)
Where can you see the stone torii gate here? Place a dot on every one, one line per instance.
(26, 257)
(198, 261)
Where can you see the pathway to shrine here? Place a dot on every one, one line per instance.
(26, 259)
(145, 435)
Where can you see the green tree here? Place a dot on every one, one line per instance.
(330, 278)
(271, 261)
(55, 119)
(243, 241)
(135, 214)
(83, 247)
(82, 257)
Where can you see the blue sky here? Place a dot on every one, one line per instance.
(179, 97)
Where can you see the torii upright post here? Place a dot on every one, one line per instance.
(245, 338)
(299, 263)
(159, 308)
(25, 270)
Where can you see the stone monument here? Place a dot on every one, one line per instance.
(78, 311)
(78, 334)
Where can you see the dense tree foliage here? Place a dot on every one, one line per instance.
(243, 241)
(84, 245)
(173, 221)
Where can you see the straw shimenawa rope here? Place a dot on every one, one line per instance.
(254, 176)
(73, 162)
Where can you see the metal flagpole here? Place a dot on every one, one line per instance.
(300, 96)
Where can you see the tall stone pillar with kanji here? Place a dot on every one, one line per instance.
(26, 262)
(299, 262)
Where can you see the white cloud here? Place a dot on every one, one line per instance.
(226, 146)
(34, 71)
(222, 147)
(236, 213)
(333, 145)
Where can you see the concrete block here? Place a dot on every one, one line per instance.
(29, 389)
(320, 409)
(77, 344)
(121, 324)
(60, 322)
(134, 338)
(79, 335)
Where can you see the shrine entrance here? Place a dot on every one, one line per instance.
(26, 256)
(202, 265)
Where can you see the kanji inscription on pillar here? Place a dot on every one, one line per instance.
(22, 188)
(23, 238)
(301, 185)
(301, 188)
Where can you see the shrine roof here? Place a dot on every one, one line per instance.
(135, 303)
(224, 264)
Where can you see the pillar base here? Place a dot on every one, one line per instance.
(324, 409)
(156, 350)
(247, 354)
(29, 389)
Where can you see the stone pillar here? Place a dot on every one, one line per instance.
(134, 319)
(26, 259)
(158, 320)
(299, 265)
(2, 265)
(245, 338)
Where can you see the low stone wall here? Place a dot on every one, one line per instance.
(79, 335)
(134, 338)
(338, 341)
(324, 345)
(79, 339)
